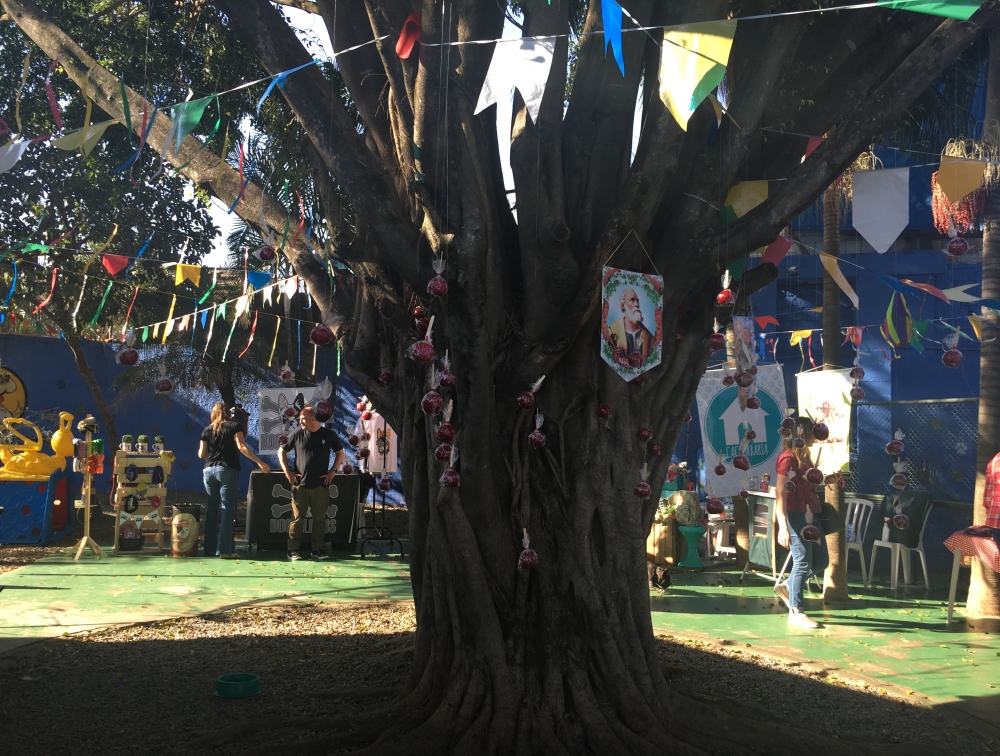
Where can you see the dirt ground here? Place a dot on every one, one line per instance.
(149, 688)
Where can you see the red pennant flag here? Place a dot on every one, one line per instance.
(409, 36)
(933, 290)
(764, 320)
(776, 250)
(114, 264)
(55, 272)
(814, 142)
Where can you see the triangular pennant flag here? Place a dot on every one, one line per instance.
(897, 328)
(977, 326)
(959, 177)
(737, 267)
(182, 323)
(932, 290)
(279, 80)
(881, 205)
(522, 63)
(833, 268)
(204, 317)
(811, 145)
(797, 336)
(745, 196)
(291, 287)
(72, 140)
(10, 153)
(190, 273)
(258, 279)
(409, 36)
(957, 294)
(186, 117)
(960, 9)
(776, 250)
(156, 330)
(268, 293)
(919, 329)
(220, 312)
(765, 320)
(611, 15)
(693, 61)
(242, 305)
(114, 264)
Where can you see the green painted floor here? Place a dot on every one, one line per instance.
(57, 595)
(895, 640)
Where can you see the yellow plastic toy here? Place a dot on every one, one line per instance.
(31, 463)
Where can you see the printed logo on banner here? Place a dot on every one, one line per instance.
(278, 415)
(632, 321)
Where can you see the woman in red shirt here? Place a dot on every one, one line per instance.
(796, 504)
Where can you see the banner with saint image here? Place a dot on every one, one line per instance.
(631, 321)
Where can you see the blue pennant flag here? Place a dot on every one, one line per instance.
(611, 13)
(132, 263)
(142, 142)
(280, 79)
(258, 279)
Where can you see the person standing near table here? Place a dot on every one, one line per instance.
(791, 506)
(312, 444)
(222, 442)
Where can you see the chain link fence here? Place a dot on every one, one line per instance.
(939, 448)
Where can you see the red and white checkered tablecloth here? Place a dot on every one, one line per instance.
(984, 548)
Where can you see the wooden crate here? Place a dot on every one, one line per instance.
(147, 516)
(664, 546)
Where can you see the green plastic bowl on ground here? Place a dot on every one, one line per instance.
(239, 685)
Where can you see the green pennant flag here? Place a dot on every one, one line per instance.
(960, 9)
(220, 311)
(145, 333)
(727, 215)
(186, 116)
(736, 268)
(93, 323)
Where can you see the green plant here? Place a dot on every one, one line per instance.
(143, 439)
(160, 439)
(126, 439)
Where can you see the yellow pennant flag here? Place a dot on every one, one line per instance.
(190, 273)
(797, 336)
(76, 140)
(169, 326)
(745, 196)
(156, 330)
(693, 60)
(833, 268)
(242, 305)
(977, 326)
(959, 177)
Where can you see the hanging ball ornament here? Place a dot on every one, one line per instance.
(266, 253)
(821, 432)
(753, 402)
(449, 478)
(814, 475)
(635, 360)
(789, 487)
(642, 490)
(445, 432)
(422, 352)
(725, 298)
(901, 521)
(364, 452)
(653, 449)
(799, 443)
(750, 434)
(528, 559)
(784, 432)
(421, 325)
(894, 447)
(958, 247)
(720, 469)
(347, 469)
(857, 372)
(728, 380)
(366, 415)
(604, 411)
(353, 440)
(741, 462)
(448, 377)
(811, 533)
(361, 406)
(857, 393)
(644, 434)
(788, 422)
(127, 357)
(385, 483)
(323, 410)
(714, 507)
(717, 341)
(385, 377)
(438, 286)
(443, 452)
(952, 358)
(744, 380)
(526, 401)
(432, 403)
(420, 312)
(536, 439)
(743, 494)
(163, 385)
(320, 335)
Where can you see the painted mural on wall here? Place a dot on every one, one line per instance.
(13, 394)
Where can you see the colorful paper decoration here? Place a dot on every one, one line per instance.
(765, 320)
(253, 332)
(258, 279)
(242, 305)
(190, 273)
(776, 250)
(52, 291)
(186, 117)
(10, 153)
(146, 128)
(897, 328)
(75, 140)
(139, 254)
(522, 63)
(611, 15)
(811, 145)
(93, 322)
(280, 81)
(114, 264)
(745, 196)
(959, 177)
(409, 36)
(833, 268)
(53, 105)
(960, 9)
(693, 61)
(932, 290)
(881, 205)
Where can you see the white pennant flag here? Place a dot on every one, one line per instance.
(10, 153)
(881, 205)
(522, 63)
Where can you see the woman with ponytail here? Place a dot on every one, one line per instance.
(222, 442)
(796, 506)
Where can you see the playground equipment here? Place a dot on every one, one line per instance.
(25, 461)
(140, 498)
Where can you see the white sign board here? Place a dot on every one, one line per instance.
(825, 396)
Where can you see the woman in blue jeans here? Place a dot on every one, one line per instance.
(797, 505)
(222, 442)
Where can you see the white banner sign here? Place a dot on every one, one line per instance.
(824, 396)
(278, 416)
(724, 425)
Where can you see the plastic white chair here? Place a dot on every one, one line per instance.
(859, 513)
(898, 552)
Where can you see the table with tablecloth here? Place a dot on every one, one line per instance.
(964, 543)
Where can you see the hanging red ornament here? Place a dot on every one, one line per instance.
(789, 487)
(653, 449)
(361, 406)
(432, 403)
(604, 411)
(447, 375)
(438, 286)
(857, 372)
(347, 469)
(788, 422)
(385, 483)
(895, 446)
(528, 559)
(784, 432)
(958, 247)
(714, 507)
(320, 335)
(266, 254)
(526, 400)
(811, 533)
(127, 357)
(720, 469)
(857, 393)
(821, 432)
(750, 434)
(743, 494)
(952, 358)
(741, 462)
(728, 380)
(753, 402)
(286, 374)
(642, 490)
(644, 434)
(635, 360)
(717, 341)
(799, 443)
(323, 410)
(744, 380)
(443, 452)
(421, 325)
(445, 432)
(901, 521)
(449, 478)
(385, 377)
(419, 312)
(725, 298)
(814, 475)
(898, 480)
(536, 439)
(163, 385)
(366, 415)
(353, 440)
(364, 452)
(422, 351)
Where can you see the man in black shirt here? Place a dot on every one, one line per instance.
(310, 480)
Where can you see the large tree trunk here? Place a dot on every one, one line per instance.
(984, 588)
(107, 417)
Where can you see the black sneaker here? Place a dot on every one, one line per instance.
(294, 556)
(321, 556)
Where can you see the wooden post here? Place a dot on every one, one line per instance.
(88, 425)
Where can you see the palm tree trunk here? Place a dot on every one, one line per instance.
(984, 588)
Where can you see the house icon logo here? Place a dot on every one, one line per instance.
(726, 423)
